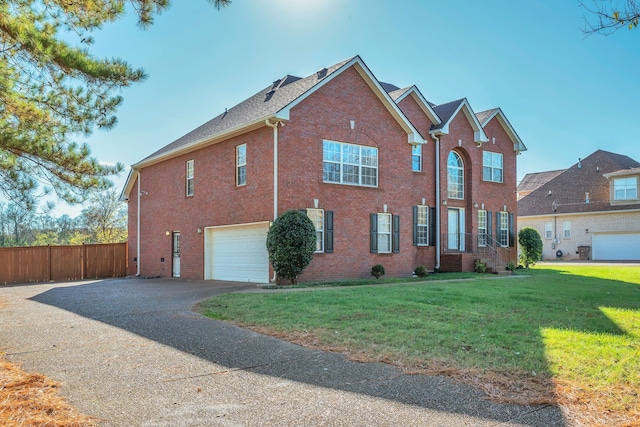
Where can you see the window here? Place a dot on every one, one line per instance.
(422, 225)
(455, 176)
(317, 217)
(566, 229)
(416, 158)
(241, 164)
(548, 230)
(385, 233)
(350, 164)
(189, 177)
(503, 230)
(491, 166)
(625, 188)
(482, 228)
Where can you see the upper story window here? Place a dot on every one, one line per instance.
(455, 176)
(625, 188)
(491, 166)
(241, 164)
(350, 164)
(317, 217)
(189, 176)
(416, 158)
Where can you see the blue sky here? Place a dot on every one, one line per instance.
(566, 95)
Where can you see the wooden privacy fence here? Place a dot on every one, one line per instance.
(61, 263)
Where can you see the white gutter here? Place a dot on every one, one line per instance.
(138, 227)
(437, 201)
(275, 166)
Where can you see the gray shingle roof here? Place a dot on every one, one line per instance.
(445, 111)
(395, 94)
(532, 181)
(568, 188)
(267, 102)
(482, 116)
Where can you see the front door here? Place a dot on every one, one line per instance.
(455, 229)
(175, 267)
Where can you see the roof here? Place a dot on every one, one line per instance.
(446, 111)
(532, 181)
(566, 192)
(484, 116)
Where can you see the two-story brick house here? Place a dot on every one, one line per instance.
(387, 177)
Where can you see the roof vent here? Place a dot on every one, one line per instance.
(322, 73)
(579, 163)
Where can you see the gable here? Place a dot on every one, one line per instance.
(449, 111)
(496, 114)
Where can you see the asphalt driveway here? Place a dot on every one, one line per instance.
(131, 352)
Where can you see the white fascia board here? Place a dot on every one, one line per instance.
(422, 102)
(623, 172)
(128, 186)
(413, 136)
(518, 145)
(551, 216)
(478, 133)
(237, 130)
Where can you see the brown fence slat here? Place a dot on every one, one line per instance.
(61, 263)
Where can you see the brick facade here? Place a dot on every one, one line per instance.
(325, 114)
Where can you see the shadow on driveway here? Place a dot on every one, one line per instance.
(161, 310)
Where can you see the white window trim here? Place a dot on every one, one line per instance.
(491, 167)
(385, 233)
(320, 230)
(424, 226)
(482, 231)
(550, 230)
(461, 168)
(360, 165)
(566, 231)
(625, 199)
(417, 147)
(503, 231)
(189, 178)
(240, 164)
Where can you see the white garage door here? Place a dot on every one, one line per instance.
(616, 247)
(237, 253)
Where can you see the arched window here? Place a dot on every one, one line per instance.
(455, 176)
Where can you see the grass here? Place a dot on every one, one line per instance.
(563, 334)
(30, 400)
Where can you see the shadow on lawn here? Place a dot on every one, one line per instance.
(160, 310)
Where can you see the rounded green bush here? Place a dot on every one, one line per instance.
(531, 246)
(291, 243)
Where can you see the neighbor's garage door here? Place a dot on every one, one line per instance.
(616, 247)
(237, 253)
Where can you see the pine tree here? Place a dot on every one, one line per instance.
(53, 91)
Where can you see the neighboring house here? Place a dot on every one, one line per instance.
(386, 176)
(531, 181)
(589, 211)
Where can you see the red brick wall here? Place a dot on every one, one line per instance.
(325, 114)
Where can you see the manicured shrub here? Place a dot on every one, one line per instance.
(480, 267)
(377, 271)
(530, 246)
(291, 243)
(421, 271)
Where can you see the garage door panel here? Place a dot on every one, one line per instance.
(238, 253)
(616, 247)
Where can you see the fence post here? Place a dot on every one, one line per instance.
(49, 260)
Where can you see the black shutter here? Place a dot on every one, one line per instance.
(432, 226)
(373, 243)
(328, 231)
(415, 226)
(490, 229)
(498, 242)
(395, 232)
(512, 233)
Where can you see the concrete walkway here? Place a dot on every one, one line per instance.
(131, 352)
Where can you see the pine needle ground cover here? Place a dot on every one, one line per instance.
(32, 400)
(565, 335)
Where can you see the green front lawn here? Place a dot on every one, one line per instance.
(576, 327)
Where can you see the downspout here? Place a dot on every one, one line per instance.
(275, 166)
(437, 201)
(275, 174)
(138, 227)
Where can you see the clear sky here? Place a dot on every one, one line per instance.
(565, 94)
